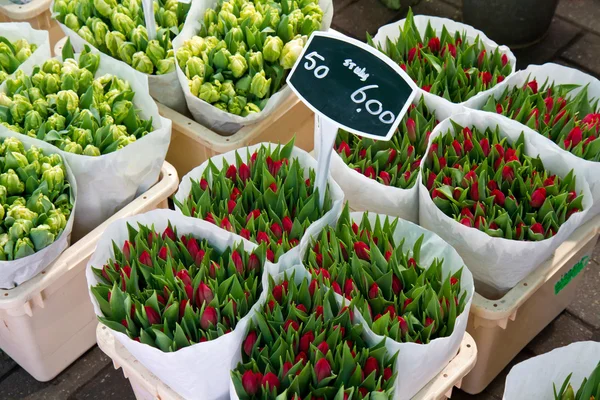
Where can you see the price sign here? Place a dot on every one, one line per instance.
(352, 84)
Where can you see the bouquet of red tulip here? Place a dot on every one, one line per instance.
(589, 389)
(483, 181)
(570, 121)
(303, 345)
(395, 162)
(170, 291)
(267, 196)
(396, 295)
(571, 372)
(445, 63)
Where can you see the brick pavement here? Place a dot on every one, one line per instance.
(573, 40)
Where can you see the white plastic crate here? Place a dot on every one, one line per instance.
(48, 322)
(503, 327)
(147, 386)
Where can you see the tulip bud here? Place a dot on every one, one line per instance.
(272, 48)
(251, 382)
(374, 291)
(203, 294)
(371, 365)
(434, 46)
(481, 58)
(411, 130)
(322, 369)
(499, 197)
(290, 324)
(238, 262)
(259, 85)
(162, 253)
(249, 342)
(537, 228)
(290, 53)
(287, 224)
(533, 86)
(153, 316)
(238, 65)
(507, 173)
(538, 197)
(270, 381)
(262, 237)
(575, 136)
(209, 318)
(142, 63)
(474, 191)
(306, 340)
(362, 251)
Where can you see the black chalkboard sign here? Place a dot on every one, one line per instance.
(352, 84)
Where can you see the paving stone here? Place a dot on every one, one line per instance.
(339, 5)
(364, 16)
(438, 8)
(496, 387)
(6, 364)
(20, 385)
(586, 306)
(108, 384)
(560, 34)
(564, 330)
(582, 12)
(455, 3)
(585, 52)
(460, 395)
(596, 253)
(373, 14)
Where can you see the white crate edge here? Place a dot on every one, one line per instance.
(499, 311)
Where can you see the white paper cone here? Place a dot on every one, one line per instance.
(109, 182)
(207, 114)
(209, 362)
(560, 75)
(23, 30)
(365, 194)
(534, 378)
(392, 32)
(417, 364)
(306, 161)
(13, 273)
(497, 262)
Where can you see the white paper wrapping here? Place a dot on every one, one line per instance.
(306, 161)
(163, 88)
(209, 115)
(560, 75)
(365, 194)
(497, 262)
(109, 182)
(15, 272)
(23, 30)
(392, 31)
(534, 378)
(200, 371)
(417, 363)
